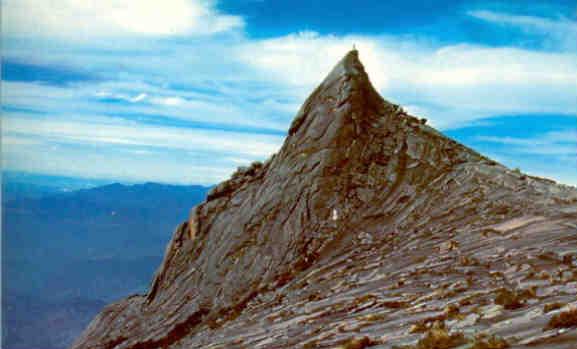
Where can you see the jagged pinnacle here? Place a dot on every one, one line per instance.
(347, 82)
(350, 65)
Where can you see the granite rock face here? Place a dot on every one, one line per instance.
(367, 229)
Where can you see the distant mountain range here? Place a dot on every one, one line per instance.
(19, 185)
(68, 248)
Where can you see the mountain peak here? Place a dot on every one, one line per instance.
(350, 65)
(338, 107)
(358, 204)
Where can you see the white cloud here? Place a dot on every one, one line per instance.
(108, 131)
(84, 100)
(100, 147)
(118, 164)
(553, 166)
(452, 85)
(305, 58)
(555, 143)
(79, 20)
(140, 97)
(561, 31)
(550, 154)
(15, 141)
(168, 101)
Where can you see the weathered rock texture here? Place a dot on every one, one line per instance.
(366, 223)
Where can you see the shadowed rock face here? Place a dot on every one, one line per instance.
(366, 223)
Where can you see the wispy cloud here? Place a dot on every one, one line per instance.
(561, 31)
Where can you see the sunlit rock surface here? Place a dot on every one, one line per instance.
(367, 229)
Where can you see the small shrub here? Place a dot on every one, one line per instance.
(468, 261)
(552, 306)
(509, 299)
(394, 304)
(564, 319)
(530, 274)
(371, 317)
(418, 327)
(528, 293)
(358, 343)
(314, 297)
(311, 345)
(452, 310)
(493, 342)
(426, 324)
(440, 338)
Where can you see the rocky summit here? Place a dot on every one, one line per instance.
(368, 228)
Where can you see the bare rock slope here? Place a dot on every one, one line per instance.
(367, 229)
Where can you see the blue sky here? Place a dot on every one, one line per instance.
(184, 91)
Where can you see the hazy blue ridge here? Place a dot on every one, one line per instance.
(66, 254)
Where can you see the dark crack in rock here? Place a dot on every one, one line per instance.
(367, 229)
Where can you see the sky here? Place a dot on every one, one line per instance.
(185, 91)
